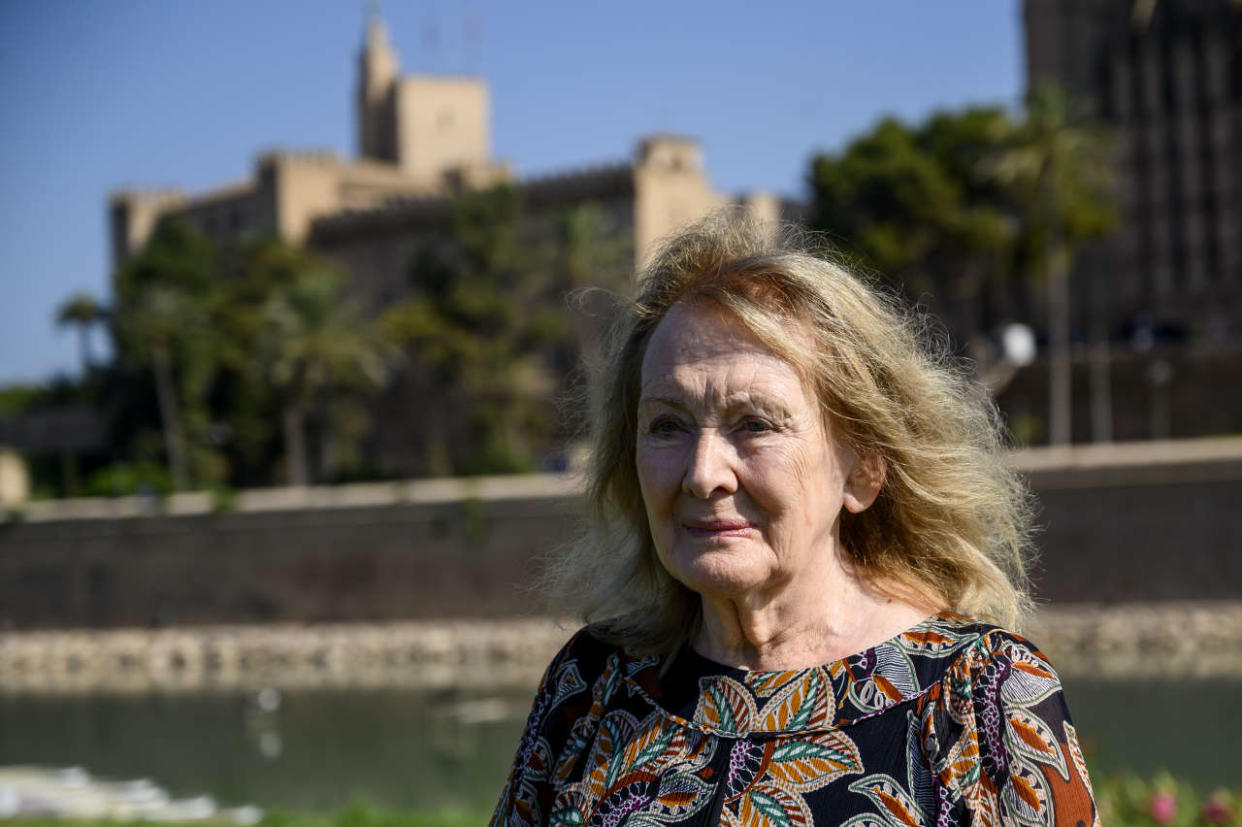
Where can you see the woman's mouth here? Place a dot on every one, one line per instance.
(707, 529)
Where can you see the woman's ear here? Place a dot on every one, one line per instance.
(864, 482)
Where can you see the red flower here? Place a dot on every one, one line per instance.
(1163, 808)
(1216, 811)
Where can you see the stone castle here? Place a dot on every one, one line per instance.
(1166, 290)
(421, 140)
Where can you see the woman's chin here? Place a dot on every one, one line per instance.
(718, 573)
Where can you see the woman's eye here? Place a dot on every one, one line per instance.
(756, 426)
(663, 426)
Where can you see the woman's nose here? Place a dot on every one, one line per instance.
(711, 467)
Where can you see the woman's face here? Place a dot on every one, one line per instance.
(742, 482)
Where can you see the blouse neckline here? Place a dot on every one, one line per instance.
(700, 694)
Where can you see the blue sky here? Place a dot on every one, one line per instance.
(100, 95)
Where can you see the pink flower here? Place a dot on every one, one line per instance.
(1163, 808)
(1216, 811)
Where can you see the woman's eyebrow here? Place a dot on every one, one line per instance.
(660, 399)
(765, 404)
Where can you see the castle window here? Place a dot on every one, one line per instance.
(444, 120)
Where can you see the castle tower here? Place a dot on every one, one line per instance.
(377, 76)
(670, 189)
(437, 129)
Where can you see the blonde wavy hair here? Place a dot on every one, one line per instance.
(950, 528)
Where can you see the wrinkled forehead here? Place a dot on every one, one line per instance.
(700, 331)
(702, 355)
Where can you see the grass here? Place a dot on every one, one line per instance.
(1124, 801)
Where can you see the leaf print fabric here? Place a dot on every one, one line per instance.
(951, 722)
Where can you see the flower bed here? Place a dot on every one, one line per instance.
(1124, 801)
(1164, 800)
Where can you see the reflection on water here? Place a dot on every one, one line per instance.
(1191, 728)
(429, 750)
(315, 751)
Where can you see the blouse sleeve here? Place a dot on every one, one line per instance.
(524, 799)
(1012, 754)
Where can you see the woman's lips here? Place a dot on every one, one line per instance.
(718, 528)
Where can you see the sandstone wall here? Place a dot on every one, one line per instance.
(1167, 528)
(463, 559)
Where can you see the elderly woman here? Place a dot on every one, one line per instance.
(804, 545)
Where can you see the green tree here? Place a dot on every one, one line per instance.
(485, 316)
(1057, 166)
(968, 200)
(314, 348)
(83, 312)
(914, 204)
(151, 324)
(162, 321)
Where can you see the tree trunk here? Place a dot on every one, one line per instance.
(329, 453)
(84, 349)
(69, 474)
(293, 419)
(170, 417)
(1060, 390)
(1101, 391)
(330, 448)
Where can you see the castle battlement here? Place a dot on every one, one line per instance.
(303, 157)
(422, 140)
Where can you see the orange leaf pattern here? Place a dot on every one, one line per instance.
(951, 722)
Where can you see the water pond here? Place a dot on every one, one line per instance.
(430, 750)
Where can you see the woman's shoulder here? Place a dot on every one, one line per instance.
(986, 646)
(996, 684)
(960, 637)
(583, 643)
(583, 657)
(1001, 701)
(589, 643)
(962, 654)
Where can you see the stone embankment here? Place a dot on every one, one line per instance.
(1143, 640)
(1133, 640)
(416, 654)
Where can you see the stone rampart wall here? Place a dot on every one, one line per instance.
(468, 558)
(1130, 523)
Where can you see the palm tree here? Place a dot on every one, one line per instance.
(81, 311)
(151, 325)
(1059, 170)
(313, 345)
(162, 320)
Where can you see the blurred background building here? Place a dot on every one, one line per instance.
(423, 142)
(423, 139)
(1157, 303)
(1166, 77)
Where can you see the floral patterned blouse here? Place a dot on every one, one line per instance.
(951, 722)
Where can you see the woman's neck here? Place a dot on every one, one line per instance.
(802, 624)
